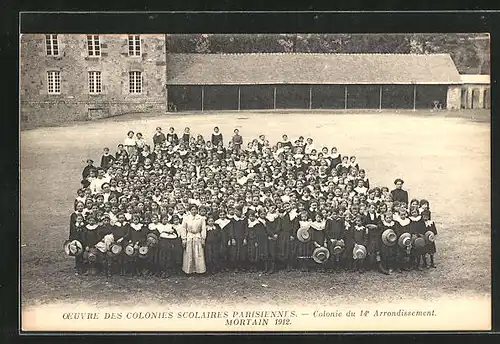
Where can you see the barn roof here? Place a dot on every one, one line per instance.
(310, 68)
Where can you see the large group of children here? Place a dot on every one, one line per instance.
(186, 204)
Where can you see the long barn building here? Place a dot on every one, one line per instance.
(312, 81)
(81, 77)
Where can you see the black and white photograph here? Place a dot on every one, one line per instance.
(255, 182)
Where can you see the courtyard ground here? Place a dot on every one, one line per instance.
(444, 157)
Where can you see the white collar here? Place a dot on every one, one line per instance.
(91, 227)
(271, 217)
(251, 224)
(137, 226)
(388, 224)
(222, 222)
(403, 222)
(319, 226)
(415, 218)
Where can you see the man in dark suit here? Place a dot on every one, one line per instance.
(398, 194)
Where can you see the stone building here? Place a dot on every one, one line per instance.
(83, 76)
(475, 91)
(80, 77)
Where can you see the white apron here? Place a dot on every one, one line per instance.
(193, 234)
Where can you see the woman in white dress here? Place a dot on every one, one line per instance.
(193, 237)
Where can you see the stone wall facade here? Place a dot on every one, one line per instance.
(453, 97)
(75, 102)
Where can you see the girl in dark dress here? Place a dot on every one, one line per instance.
(152, 260)
(402, 226)
(186, 136)
(417, 229)
(212, 246)
(347, 261)
(334, 230)
(430, 247)
(175, 263)
(304, 249)
(252, 244)
(121, 234)
(225, 226)
(217, 137)
(158, 137)
(272, 229)
(238, 249)
(262, 242)
(172, 136)
(168, 235)
(138, 234)
(287, 224)
(335, 158)
(360, 235)
(374, 234)
(388, 254)
(77, 232)
(318, 235)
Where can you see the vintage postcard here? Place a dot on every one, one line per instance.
(255, 182)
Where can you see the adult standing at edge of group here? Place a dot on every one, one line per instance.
(398, 194)
(193, 237)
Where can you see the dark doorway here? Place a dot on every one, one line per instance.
(185, 98)
(256, 97)
(427, 95)
(292, 97)
(463, 98)
(363, 97)
(397, 97)
(475, 98)
(328, 97)
(220, 97)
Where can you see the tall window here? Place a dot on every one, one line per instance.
(134, 45)
(95, 85)
(52, 45)
(54, 82)
(135, 82)
(94, 45)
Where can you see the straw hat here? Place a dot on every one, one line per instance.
(320, 255)
(73, 248)
(116, 249)
(143, 251)
(359, 251)
(303, 235)
(129, 250)
(338, 246)
(404, 240)
(389, 237)
(419, 242)
(429, 236)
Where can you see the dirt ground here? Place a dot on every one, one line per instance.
(442, 157)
